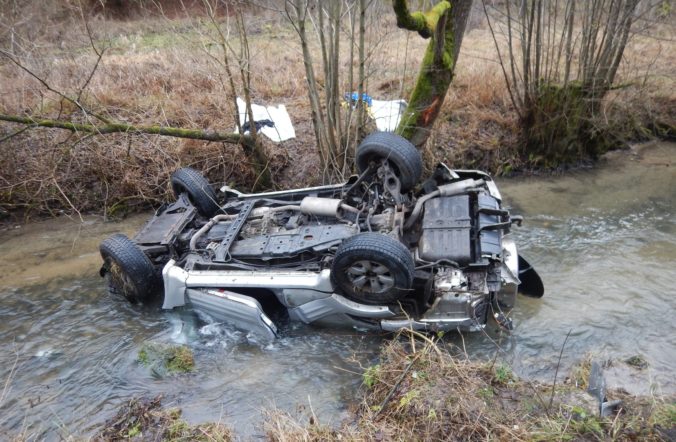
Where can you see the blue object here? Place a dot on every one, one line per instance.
(354, 97)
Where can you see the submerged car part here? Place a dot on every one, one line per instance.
(241, 311)
(531, 284)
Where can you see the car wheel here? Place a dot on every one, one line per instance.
(372, 268)
(129, 270)
(201, 194)
(404, 158)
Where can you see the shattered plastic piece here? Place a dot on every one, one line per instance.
(597, 388)
(385, 113)
(354, 97)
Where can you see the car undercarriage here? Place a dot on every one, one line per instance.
(381, 251)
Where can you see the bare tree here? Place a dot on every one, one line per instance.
(254, 148)
(335, 130)
(559, 60)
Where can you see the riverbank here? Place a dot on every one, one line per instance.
(157, 70)
(425, 389)
(428, 391)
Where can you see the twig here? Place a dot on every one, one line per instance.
(89, 78)
(396, 385)
(495, 358)
(9, 378)
(433, 345)
(18, 132)
(556, 373)
(68, 200)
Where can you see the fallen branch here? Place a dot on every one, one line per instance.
(118, 127)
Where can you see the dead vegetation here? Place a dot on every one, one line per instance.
(424, 389)
(159, 70)
(427, 394)
(146, 420)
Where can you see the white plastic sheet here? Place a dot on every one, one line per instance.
(283, 128)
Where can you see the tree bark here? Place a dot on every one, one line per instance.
(444, 25)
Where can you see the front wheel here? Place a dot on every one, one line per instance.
(129, 270)
(403, 156)
(372, 268)
(196, 186)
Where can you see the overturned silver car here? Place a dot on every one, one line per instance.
(381, 251)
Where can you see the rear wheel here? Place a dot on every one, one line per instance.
(403, 156)
(196, 186)
(128, 269)
(372, 268)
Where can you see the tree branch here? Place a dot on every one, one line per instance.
(423, 23)
(118, 127)
(14, 134)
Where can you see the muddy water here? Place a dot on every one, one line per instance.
(604, 241)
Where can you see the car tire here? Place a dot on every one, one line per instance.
(372, 268)
(196, 186)
(405, 159)
(129, 270)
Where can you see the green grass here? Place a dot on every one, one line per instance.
(503, 375)
(166, 359)
(664, 415)
(370, 376)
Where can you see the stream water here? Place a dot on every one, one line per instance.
(603, 240)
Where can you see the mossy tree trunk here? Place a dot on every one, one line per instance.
(444, 25)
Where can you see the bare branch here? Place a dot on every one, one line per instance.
(119, 127)
(42, 81)
(14, 134)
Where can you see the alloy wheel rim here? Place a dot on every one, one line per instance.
(370, 276)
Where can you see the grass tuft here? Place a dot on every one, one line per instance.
(144, 419)
(166, 359)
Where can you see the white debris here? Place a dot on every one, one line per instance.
(278, 126)
(387, 113)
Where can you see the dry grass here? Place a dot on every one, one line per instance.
(426, 394)
(145, 420)
(159, 71)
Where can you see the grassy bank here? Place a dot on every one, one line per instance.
(160, 70)
(419, 391)
(424, 393)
